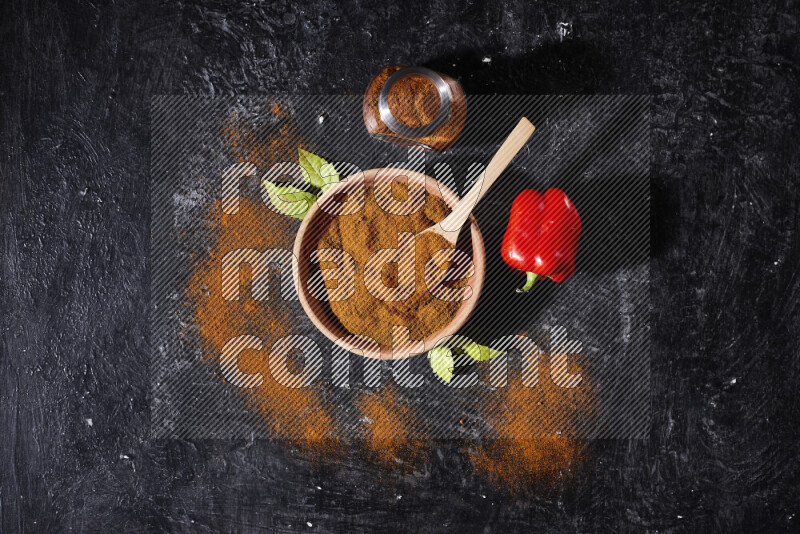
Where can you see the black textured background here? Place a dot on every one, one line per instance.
(76, 83)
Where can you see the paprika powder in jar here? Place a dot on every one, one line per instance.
(416, 107)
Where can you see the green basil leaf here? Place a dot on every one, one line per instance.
(442, 363)
(316, 171)
(481, 353)
(289, 200)
(329, 176)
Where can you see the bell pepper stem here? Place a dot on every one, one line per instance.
(530, 279)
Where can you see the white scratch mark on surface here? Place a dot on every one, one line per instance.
(564, 30)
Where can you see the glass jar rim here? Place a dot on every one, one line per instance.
(445, 101)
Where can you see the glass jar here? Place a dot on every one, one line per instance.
(415, 106)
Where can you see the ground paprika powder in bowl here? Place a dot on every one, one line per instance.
(344, 235)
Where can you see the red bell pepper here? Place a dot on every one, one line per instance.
(542, 236)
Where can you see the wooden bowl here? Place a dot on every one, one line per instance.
(308, 238)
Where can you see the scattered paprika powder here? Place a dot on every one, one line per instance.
(295, 414)
(533, 446)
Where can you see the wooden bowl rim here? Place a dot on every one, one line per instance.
(432, 186)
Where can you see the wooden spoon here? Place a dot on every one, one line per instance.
(451, 225)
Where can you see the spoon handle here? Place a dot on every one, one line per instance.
(513, 144)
